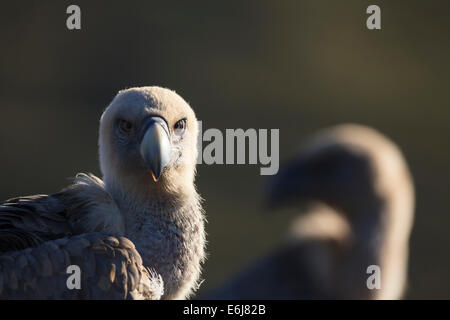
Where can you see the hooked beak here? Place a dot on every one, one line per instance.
(155, 145)
(291, 184)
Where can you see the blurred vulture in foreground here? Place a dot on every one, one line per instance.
(136, 234)
(358, 201)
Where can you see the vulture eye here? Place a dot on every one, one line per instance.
(125, 126)
(180, 125)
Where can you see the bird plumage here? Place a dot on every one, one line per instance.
(357, 196)
(124, 226)
(111, 268)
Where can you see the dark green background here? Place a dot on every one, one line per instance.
(294, 65)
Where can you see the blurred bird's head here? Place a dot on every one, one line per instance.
(148, 141)
(347, 167)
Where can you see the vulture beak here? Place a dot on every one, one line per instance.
(292, 183)
(155, 145)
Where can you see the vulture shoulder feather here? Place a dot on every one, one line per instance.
(110, 268)
(41, 236)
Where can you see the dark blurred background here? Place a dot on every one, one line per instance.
(294, 65)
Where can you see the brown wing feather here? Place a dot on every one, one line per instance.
(83, 207)
(111, 268)
(40, 236)
(30, 221)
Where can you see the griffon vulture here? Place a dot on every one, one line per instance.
(136, 234)
(356, 195)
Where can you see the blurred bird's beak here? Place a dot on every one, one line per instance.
(290, 185)
(155, 145)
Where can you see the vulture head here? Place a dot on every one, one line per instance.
(348, 167)
(148, 142)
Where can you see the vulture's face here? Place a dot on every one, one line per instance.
(331, 174)
(148, 137)
(329, 170)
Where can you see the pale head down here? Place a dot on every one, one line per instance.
(148, 142)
